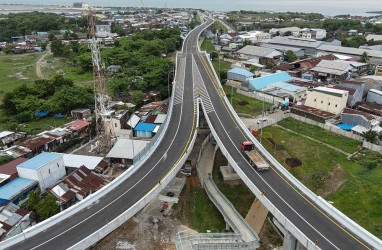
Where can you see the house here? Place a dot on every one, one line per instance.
(359, 86)
(374, 96)
(338, 70)
(358, 118)
(16, 191)
(133, 121)
(354, 96)
(10, 168)
(260, 55)
(94, 163)
(124, 151)
(305, 65)
(318, 34)
(40, 143)
(46, 168)
(78, 126)
(281, 31)
(239, 74)
(312, 113)
(144, 130)
(282, 89)
(116, 123)
(64, 196)
(327, 99)
(19, 151)
(13, 220)
(374, 37)
(309, 46)
(262, 82)
(371, 108)
(81, 113)
(8, 138)
(82, 182)
(375, 57)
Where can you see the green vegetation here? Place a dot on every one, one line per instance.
(352, 185)
(245, 105)
(218, 27)
(290, 56)
(208, 46)
(199, 212)
(35, 126)
(44, 207)
(57, 95)
(16, 70)
(5, 159)
(345, 144)
(21, 24)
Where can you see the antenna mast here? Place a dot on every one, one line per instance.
(100, 97)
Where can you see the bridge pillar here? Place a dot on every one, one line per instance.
(290, 242)
(230, 168)
(227, 227)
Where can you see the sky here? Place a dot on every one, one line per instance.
(321, 6)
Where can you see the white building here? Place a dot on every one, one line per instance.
(46, 168)
(374, 95)
(327, 99)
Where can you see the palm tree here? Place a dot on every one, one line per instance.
(365, 57)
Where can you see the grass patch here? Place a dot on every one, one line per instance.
(207, 45)
(253, 108)
(38, 125)
(339, 141)
(16, 70)
(59, 65)
(360, 197)
(199, 212)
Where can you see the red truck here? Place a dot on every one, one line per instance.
(253, 156)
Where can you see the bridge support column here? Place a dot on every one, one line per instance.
(231, 169)
(290, 242)
(227, 226)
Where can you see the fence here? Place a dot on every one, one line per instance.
(372, 147)
(257, 95)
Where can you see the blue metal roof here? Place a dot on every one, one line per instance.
(14, 187)
(286, 86)
(241, 71)
(143, 126)
(262, 82)
(40, 160)
(344, 126)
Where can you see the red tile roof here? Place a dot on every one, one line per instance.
(10, 167)
(350, 90)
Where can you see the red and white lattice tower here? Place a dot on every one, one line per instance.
(100, 97)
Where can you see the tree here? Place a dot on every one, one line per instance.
(33, 199)
(57, 48)
(5, 159)
(47, 207)
(288, 33)
(370, 135)
(289, 56)
(85, 62)
(137, 97)
(70, 97)
(365, 57)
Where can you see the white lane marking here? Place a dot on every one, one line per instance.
(56, 236)
(269, 185)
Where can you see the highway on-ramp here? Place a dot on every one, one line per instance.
(176, 140)
(318, 226)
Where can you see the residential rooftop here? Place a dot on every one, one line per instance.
(39, 160)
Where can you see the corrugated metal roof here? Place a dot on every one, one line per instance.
(287, 86)
(259, 51)
(350, 51)
(297, 42)
(5, 133)
(160, 119)
(123, 149)
(10, 167)
(133, 121)
(39, 160)
(240, 71)
(142, 126)
(14, 187)
(76, 161)
(262, 82)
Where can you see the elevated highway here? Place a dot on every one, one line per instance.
(300, 212)
(312, 225)
(83, 228)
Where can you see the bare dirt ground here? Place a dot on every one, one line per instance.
(336, 180)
